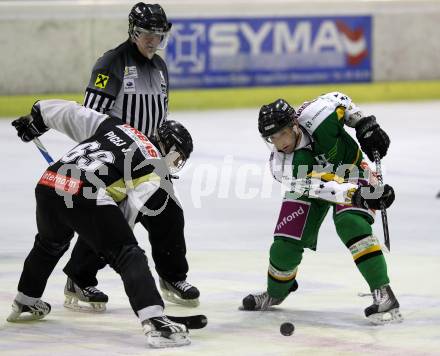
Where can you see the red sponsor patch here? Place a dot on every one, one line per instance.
(60, 182)
(148, 145)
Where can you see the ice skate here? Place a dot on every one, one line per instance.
(180, 292)
(162, 332)
(263, 301)
(385, 307)
(35, 311)
(89, 299)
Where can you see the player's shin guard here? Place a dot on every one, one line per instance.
(355, 231)
(369, 259)
(285, 257)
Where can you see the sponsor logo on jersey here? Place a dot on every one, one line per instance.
(60, 182)
(101, 81)
(301, 108)
(130, 72)
(163, 83)
(129, 85)
(146, 147)
(292, 219)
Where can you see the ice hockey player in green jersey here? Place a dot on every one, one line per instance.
(321, 166)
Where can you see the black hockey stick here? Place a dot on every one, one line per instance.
(386, 233)
(191, 321)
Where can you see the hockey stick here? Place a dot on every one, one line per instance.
(386, 233)
(191, 321)
(43, 150)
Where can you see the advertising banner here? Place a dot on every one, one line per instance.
(260, 51)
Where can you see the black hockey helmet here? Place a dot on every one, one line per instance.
(174, 137)
(275, 116)
(148, 17)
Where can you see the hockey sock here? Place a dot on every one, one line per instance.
(285, 256)
(355, 231)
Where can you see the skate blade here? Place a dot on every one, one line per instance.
(157, 341)
(390, 317)
(17, 317)
(242, 308)
(74, 304)
(173, 298)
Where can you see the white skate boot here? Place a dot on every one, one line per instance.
(385, 307)
(35, 311)
(263, 300)
(91, 298)
(180, 292)
(162, 332)
(260, 301)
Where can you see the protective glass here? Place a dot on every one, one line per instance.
(140, 33)
(277, 135)
(280, 139)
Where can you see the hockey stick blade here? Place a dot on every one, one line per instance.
(190, 321)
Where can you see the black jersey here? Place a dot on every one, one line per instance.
(126, 85)
(111, 159)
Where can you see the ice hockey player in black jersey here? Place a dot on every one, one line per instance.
(131, 83)
(112, 163)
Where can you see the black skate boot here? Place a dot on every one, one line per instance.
(263, 301)
(162, 332)
(260, 301)
(180, 292)
(37, 310)
(91, 298)
(385, 307)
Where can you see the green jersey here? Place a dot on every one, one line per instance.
(326, 152)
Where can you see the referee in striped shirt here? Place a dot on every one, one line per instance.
(130, 82)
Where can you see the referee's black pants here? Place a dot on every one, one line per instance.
(103, 229)
(166, 236)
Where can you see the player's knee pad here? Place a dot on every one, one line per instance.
(126, 255)
(350, 225)
(285, 258)
(51, 248)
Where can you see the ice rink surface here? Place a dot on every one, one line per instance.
(231, 207)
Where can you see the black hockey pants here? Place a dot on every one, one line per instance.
(104, 230)
(166, 235)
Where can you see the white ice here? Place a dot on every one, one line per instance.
(230, 215)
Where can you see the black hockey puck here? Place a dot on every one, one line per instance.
(287, 329)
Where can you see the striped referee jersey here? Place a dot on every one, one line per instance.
(126, 85)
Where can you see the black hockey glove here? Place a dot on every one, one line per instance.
(30, 126)
(371, 137)
(373, 197)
